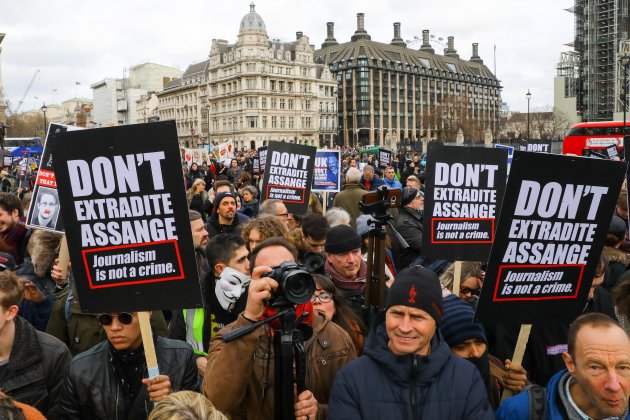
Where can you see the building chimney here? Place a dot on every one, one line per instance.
(298, 35)
(398, 41)
(360, 33)
(475, 55)
(450, 51)
(426, 45)
(330, 38)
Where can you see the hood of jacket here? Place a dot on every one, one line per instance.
(399, 368)
(354, 186)
(616, 255)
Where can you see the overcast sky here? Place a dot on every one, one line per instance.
(70, 41)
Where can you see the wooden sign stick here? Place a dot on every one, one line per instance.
(64, 257)
(147, 341)
(457, 274)
(519, 352)
(325, 200)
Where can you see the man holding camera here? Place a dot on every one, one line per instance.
(239, 378)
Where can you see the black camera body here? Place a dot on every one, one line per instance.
(295, 284)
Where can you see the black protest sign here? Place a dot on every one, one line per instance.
(44, 211)
(262, 158)
(289, 175)
(126, 218)
(255, 165)
(550, 235)
(464, 191)
(541, 146)
(384, 158)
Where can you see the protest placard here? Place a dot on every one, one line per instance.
(44, 210)
(327, 171)
(550, 235)
(510, 155)
(464, 190)
(126, 218)
(262, 158)
(612, 152)
(384, 158)
(289, 175)
(256, 165)
(198, 156)
(541, 146)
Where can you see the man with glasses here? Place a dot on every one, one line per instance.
(274, 207)
(110, 380)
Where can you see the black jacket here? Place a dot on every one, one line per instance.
(381, 385)
(214, 227)
(37, 366)
(409, 225)
(91, 389)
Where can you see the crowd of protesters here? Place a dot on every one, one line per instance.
(423, 357)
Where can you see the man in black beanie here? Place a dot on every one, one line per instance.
(407, 369)
(344, 264)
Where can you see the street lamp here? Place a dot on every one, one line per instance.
(44, 108)
(529, 97)
(234, 134)
(625, 61)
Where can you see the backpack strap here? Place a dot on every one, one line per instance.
(537, 402)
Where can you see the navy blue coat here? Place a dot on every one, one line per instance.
(381, 385)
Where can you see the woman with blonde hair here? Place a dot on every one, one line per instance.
(186, 405)
(197, 198)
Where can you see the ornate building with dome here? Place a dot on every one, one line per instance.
(253, 91)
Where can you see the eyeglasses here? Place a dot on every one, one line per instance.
(324, 297)
(124, 318)
(467, 291)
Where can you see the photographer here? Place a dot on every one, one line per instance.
(239, 378)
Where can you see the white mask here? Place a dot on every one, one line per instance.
(230, 286)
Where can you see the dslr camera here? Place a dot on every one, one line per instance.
(295, 283)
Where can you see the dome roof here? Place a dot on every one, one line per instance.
(252, 20)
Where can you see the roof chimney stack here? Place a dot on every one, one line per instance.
(426, 45)
(475, 55)
(298, 35)
(330, 37)
(398, 41)
(360, 33)
(450, 51)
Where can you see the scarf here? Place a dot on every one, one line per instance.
(130, 367)
(483, 366)
(345, 283)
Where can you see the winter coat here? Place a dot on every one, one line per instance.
(238, 371)
(80, 331)
(409, 225)
(618, 263)
(253, 205)
(92, 391)
(214, 227)
(37, 366)
(349, 199)
(234, 174)
(381, 385)
(392, 184)
(36, 313)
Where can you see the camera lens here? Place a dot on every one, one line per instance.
(298, 286)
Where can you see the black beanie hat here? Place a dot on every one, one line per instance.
(417, 287)
(458, 324)
(407, 196)
(342, 238)
(219, 197)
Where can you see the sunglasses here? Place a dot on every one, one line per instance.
(324, 297)
(124, 318)
(472, 292)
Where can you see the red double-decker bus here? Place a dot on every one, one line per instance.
(589, 138)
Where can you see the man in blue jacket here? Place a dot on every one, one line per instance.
(596, 382)
(407, 370)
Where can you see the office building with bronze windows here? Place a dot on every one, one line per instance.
(391, 94)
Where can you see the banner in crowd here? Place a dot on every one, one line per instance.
(262, 158)
(550, 234)
(541, 146)
(44, 211)
(464, 191)
(256, 165)
(384, 158)
(126, 218)
(197, 156)
(289, 175)
(510, 155)
(224, 151)
(327, 176)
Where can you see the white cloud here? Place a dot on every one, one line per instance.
(89, 41)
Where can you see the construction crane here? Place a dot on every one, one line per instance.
(28, 88)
